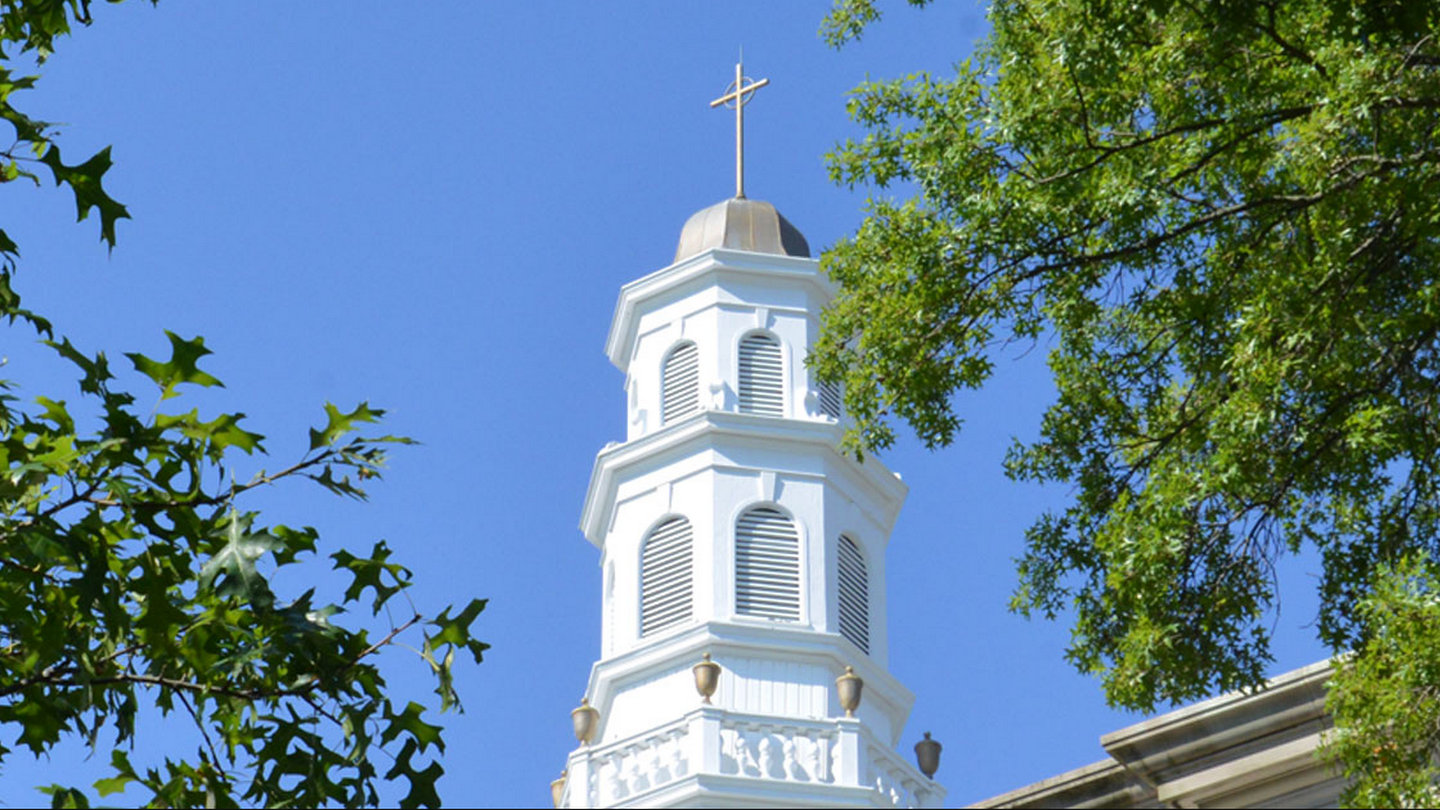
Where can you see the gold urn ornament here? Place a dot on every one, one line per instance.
(557, 789)
(707, 677)
(927, 756)
(849, 686)
(587, 721)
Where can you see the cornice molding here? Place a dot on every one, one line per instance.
(715, 262)
(710, 428)
(739, 639)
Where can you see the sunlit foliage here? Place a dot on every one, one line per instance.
(1221, 220)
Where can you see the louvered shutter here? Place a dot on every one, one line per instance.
(767, 565)
(665, 565)
(829, 399)
(680, 388)
(762, 387)
(854, 593)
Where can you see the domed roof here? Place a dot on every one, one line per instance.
(741, 224)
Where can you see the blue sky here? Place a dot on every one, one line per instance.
(432, 208)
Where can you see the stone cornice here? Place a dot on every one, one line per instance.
(1291, 705)
(1240, 749)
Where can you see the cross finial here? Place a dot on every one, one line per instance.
(740, 94)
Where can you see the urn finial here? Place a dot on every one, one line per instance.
(707, 677)
(927, 756)
(849, 686)
(557, 789)
(586, 720)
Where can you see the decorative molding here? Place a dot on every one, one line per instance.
(762, 317)
(717, 395)
(767, 486)
(812, 405)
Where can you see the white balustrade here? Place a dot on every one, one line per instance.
(798, 752)
(750, 747)
(895, 779)
(620, 771)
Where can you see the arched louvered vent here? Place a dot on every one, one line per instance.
(854, 592)
(767, 565)
(829, 399)
(762, 387)
(680, 388)
(665, 564)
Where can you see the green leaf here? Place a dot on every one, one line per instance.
(10, 307)
(231, 570)
(97, 370)
(26, 128)
(124, 774)
(371, 573)
(409, 722)
(66, 798)
(456, 630)
(113, 784)
(181, 368)
(339, 423)
(41, 722)
(422, 782)
(84, 180)
(217, 435)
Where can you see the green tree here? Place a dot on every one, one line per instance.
(1221, 217)
(1386, 698)
(134, 572)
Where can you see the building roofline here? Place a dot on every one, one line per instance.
(1236, 749)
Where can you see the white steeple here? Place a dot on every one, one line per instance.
(731, 526)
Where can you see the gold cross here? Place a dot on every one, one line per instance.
(739, 93)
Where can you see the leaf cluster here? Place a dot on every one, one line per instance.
(132, 573)
(1222, 218)
(33, 26)
(1385, 699)
(136, 576)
